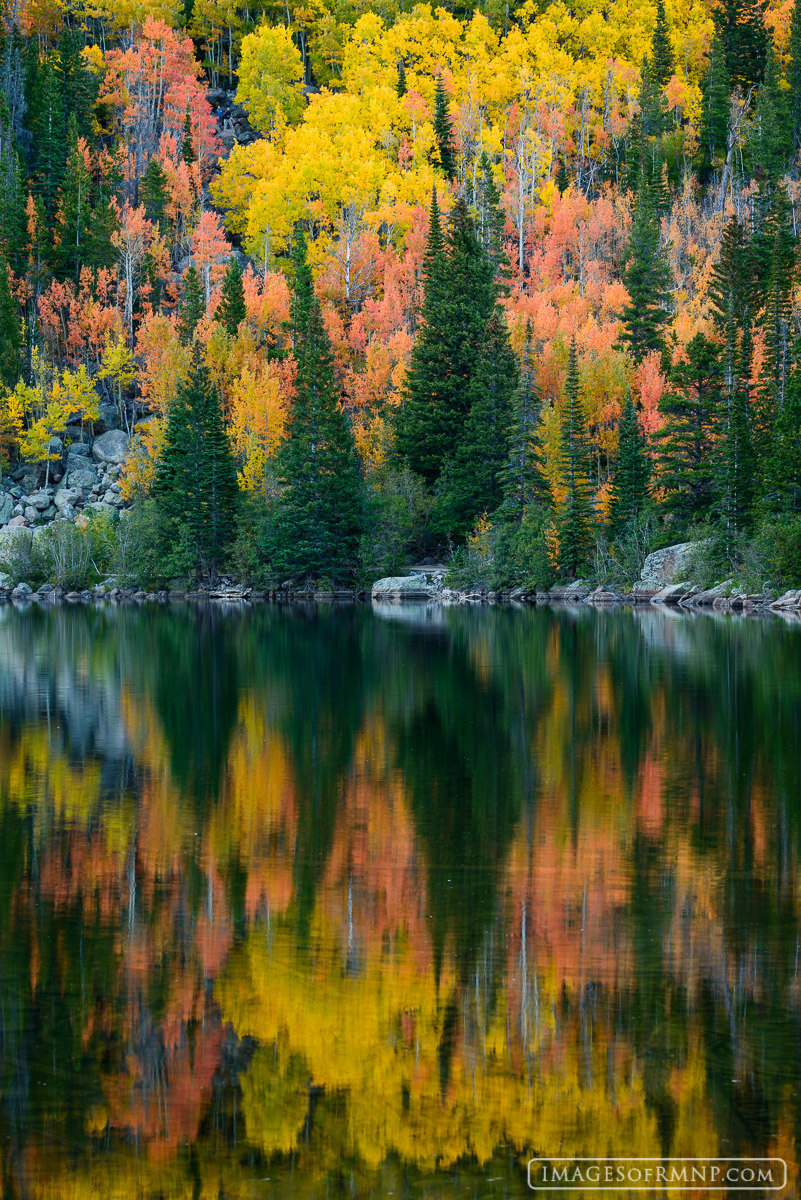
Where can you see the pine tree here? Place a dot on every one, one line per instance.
(740, 25)
(523, 482)
(78, 85)
(10, 331)
(458, 300)
(647, 280)
(562, 177)
(784, 494)
(154, 194)
(687, 436)
(193, 305)
(48, 135)
(575, 511)
(195, 487)
(770, 136)
(664, 63)
(715, 110)
(794, 77)
(75, 210)
(400, 87)
(319, 520)
(188, 146)
(443, 130)
(231, 310)
(776, 319)
(630, 490)
(473, 479)
(303, 287)
(12, 194)
(490, 221)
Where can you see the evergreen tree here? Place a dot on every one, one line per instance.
(794, 77)
(562, 177)
(630, 489)
(523, 482)
(458, 300)
(647, 280)
(319, 519)
(75, 211)
(490, 222)
(195, 487)
(193, 305)
(784, 494)
(686, 439)
(231, 310)
(400, 87)
(472, 480)
(154, 194)
(78, 85)
(715, 110)
(188, 146)
(10, 331)
(740, 26)
(780, 255)
(12, 194)
(443, 131)
(303, 287)
(664, 63)
(770, 136)
(575, 511)
(48, 135)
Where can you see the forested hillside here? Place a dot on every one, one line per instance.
(364, 282)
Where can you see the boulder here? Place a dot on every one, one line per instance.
(111, 447)
(100, 509)
(108, 417)
(400, 587)
(82, 479)
(674, 593)
(78, 450)
(31, 514)
(39, 500)
(65, 500)
(791, 599)
(21, 590)
(668, 565)
(6, 507)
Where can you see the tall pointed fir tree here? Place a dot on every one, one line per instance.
(400, 87)
(473, 480)
(302, 287)
(740, 25)
(443, 130)
(231, 310)
(491, 221)
(784, 495)
(523, 482)
(776, 320)
(794, 77)
(188, 153)
(10, 331)
(770, 141)
(154, 195)
(195, 487)
(319, 518)
(715, 107)
(732, 295)
(686, 439)
(575, 511)
(13, 194)
(630, 490)
(458, 299)
(662, 57)
(193, 305)
(48, 127)
(647, 280)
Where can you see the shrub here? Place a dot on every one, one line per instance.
(398, 522)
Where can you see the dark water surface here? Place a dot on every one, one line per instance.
(317, 904)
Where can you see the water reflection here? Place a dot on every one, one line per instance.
(313, 903)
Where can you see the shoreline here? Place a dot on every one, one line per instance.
(674, 598)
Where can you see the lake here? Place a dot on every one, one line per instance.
(320, 903)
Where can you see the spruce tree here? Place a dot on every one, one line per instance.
(794, 77)
(662, 58)
(193, 305)
(630, 490)
(48, 136)
(784, 494)
(400, 86)
(154, 194)
(188, 146)
(10, 331)
(523, 482)
(647, 280)
(473, 479)
(490, 221)
(195, 487)
(75, 210)
(443, 130)
(12, 194)
(740, 25)
(686, 439)
(770, 140)
(776, 319)
(303, 287)
(458, 299)
(231, 310)
(715, 110)
(575, 511)
(319, 519)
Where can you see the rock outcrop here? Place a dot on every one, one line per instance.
(668, 565)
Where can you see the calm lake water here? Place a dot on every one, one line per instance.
(318, 904)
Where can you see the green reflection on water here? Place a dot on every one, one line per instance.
(329, 903)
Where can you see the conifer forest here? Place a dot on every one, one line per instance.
(515, 286)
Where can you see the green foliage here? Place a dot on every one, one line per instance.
(794, 77)
(690, 411)
(575, 511)
(154, 194)
(231, 310)
(195, 487)
(647, 280)
(10, 331)
(664, 63)
(630, 490)
(740, 26)
(397, 524)
(443, 131)
(400, 87)
(303, 288)
(770, 140)
(523, 482)
(193, 305)
(619, 561)
(715, 111)
(319, 519)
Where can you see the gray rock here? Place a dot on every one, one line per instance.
(790, 599)
(18, 511)
(65, 500)
(6, 507)
(82, 479)
(672, 594)
(78, 450)
(31, 513)
(39, 500)
(402, 587)
(55, 445)
(111, 447)
(668, 565)
(100, 509)
(21, 590)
